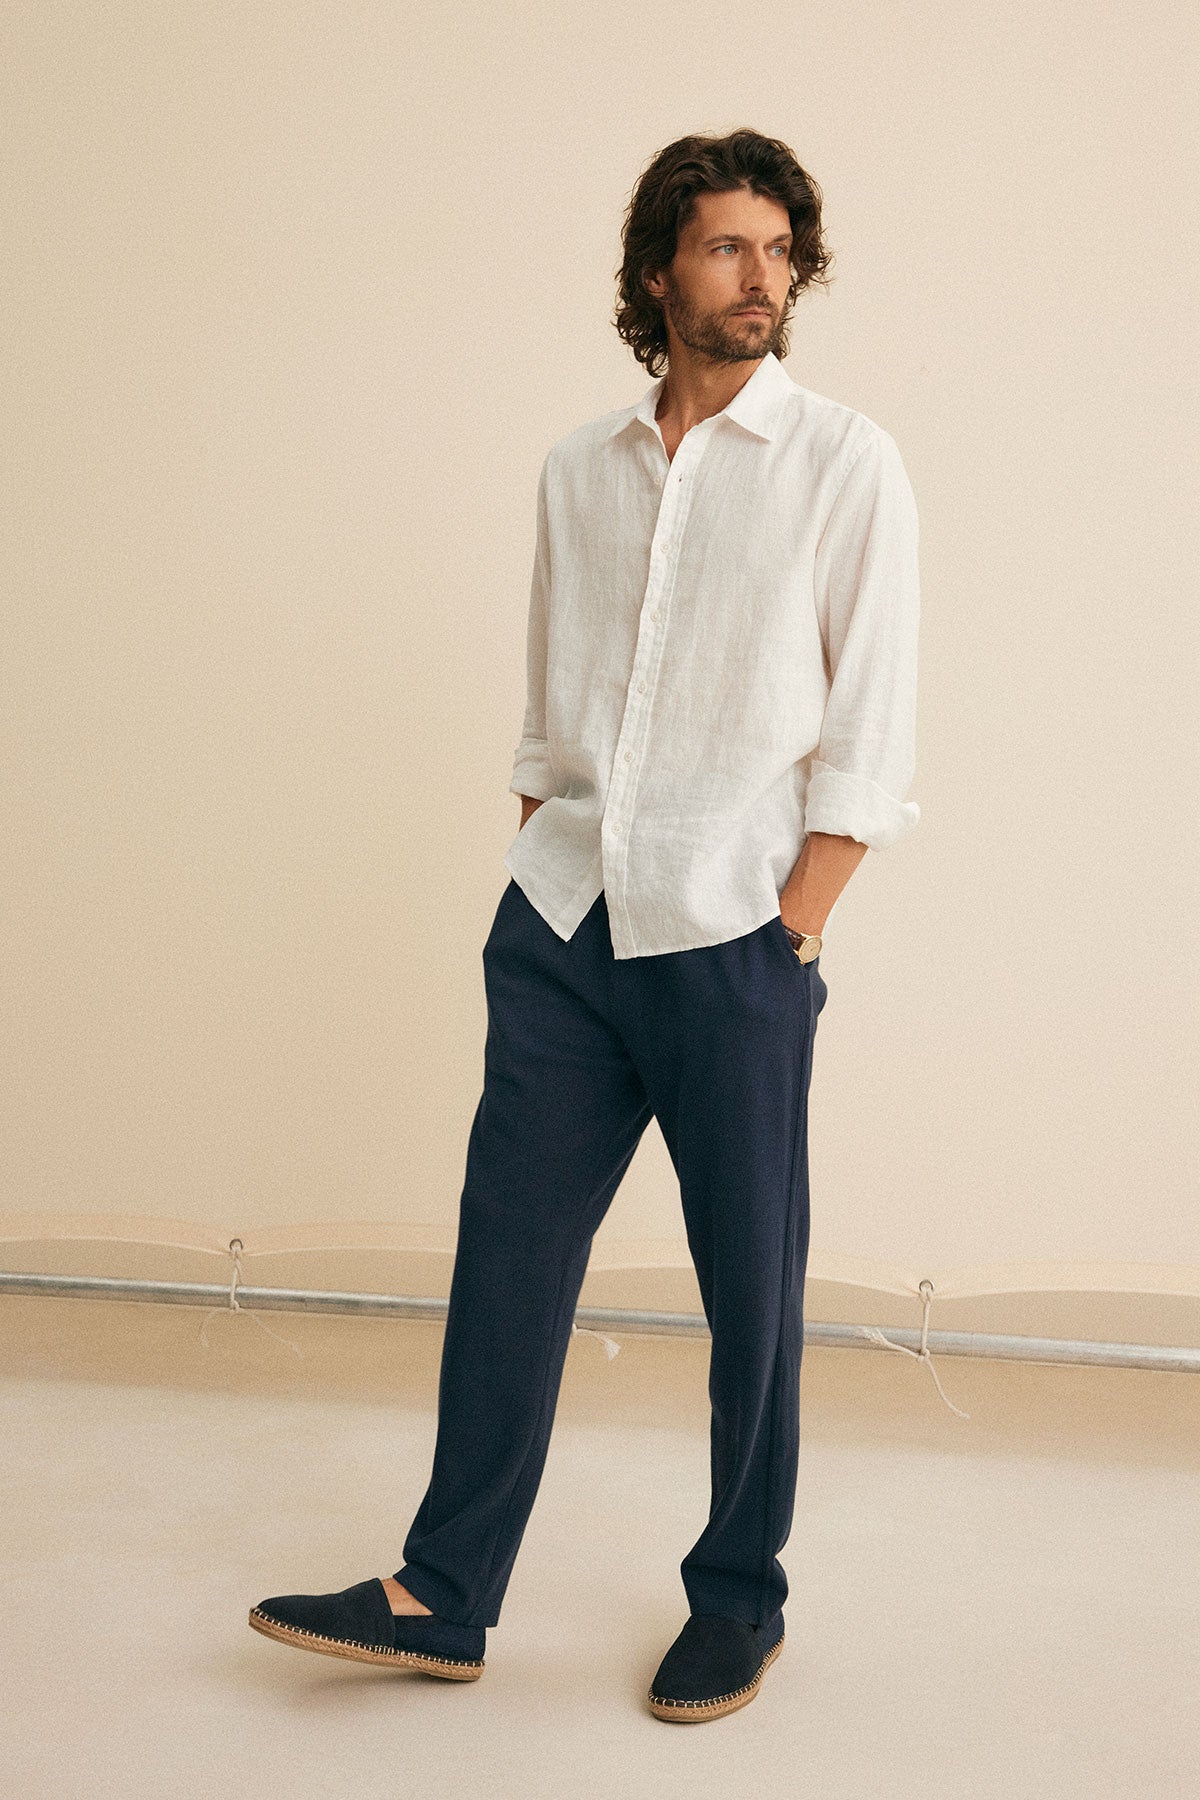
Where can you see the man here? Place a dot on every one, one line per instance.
(720, 721)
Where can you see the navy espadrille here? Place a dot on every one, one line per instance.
(359, 1623)
(714, 1666)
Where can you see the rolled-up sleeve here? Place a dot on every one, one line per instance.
(868, 605)
(532, 773)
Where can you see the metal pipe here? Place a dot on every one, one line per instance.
(1174, 1358)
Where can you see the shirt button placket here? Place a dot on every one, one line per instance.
(664, 550)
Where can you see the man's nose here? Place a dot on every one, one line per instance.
(759, 281)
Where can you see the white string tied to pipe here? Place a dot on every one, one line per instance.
(235, 1250)
(923, 1354)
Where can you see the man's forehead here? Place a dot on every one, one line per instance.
(713, 212)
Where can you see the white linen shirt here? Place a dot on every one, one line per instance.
(721, 657)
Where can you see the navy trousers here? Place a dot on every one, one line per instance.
(581, 1051)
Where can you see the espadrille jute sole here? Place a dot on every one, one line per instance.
(687, 1712)
(371, 1653)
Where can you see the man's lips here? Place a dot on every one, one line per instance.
(752, 312)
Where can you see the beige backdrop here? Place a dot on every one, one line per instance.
(295, 298)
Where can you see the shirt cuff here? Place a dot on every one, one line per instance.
(854, 806)
(532, 773)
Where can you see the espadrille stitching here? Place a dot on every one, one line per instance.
(718, 1699)
(454, 1662)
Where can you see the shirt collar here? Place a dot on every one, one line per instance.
(756, 405)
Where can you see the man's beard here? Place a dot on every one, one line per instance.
(724, 339)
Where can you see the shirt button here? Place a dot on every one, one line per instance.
(629, 756)
(656, 614)
(641, 687)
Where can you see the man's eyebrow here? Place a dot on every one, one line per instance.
(731, 237)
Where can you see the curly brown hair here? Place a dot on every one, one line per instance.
(664, 200)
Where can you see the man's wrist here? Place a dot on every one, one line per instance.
(809, 930)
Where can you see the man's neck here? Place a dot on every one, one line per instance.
(695, 389)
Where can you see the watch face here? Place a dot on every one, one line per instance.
(809, 950)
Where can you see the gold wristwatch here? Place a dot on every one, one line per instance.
(805, 943)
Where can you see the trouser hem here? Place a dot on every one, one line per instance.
(427, 1586)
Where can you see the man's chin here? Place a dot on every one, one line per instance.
(743, 345)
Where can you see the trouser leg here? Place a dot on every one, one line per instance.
(727, 1066)
(560, 1116)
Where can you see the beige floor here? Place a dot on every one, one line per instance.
(1002, 1606)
